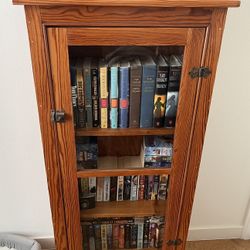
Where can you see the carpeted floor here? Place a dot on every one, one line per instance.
(219, 245)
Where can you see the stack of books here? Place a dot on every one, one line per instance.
(125, 93)
(123, 233)
(121, 188)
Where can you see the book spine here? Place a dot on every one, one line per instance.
(160, 96)
(104, 237)
(127, 236)
(134, 188)
(152, 234)
(85, 237)
(116, 229)
(135, 96)
(174, 78)
(84, 186)
(98, 238)
(74, 92)
(99, 192)
(113, 97)
(146, 187)
(127, 188)
(95, 97)
(104, 96)
(113, 188)
(92, 185)
(147, 96)
(91, 238)
(110, 236)
(171, 108)
(80, 97)
(106, 195)
(88, 94)
(150, 187)
(162, 190)
(146, 233)
(121, 243)
(123, 96)
(133, 235)
(155, 187)
(141, 187)
(140, 236)
(120, 184)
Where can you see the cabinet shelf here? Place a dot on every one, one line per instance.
(125, 209)
(122, 172)
(124, 131)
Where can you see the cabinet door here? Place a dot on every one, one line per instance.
(65, 43)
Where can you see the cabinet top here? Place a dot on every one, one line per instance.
(149, 3)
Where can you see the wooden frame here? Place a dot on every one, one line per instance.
(54, 25)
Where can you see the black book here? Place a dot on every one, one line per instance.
(113, 188)
(146, 233)
(133, 235)
(160, 92)
(95, 94)
(98, 238)
(74, 91)
(127, 236)
(127, 188)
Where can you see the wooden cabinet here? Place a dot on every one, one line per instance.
(60, 28)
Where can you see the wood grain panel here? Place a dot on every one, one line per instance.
(65, 133)
(154, 3)
(203, 102)
(124, 131)
(126, 36)
(125, 209)
(183, 131)
(124, 16)
(123, 172)
(45, 104)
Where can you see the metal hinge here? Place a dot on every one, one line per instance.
(174, 242)
(200, 72)
(57, 116)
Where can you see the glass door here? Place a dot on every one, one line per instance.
(128, 102)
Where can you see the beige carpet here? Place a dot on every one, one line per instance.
(219, 245)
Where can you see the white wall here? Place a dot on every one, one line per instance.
(223, 188)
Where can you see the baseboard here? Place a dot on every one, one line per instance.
(47, 243)
(214, 233)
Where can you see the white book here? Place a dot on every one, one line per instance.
(99, 192)
(120, 184)
(106, 187)
(92, 185)
(134, 188)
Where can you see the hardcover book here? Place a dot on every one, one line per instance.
(146, 233)
(73, 78)
(95, 93)
(127, 236)
(160, 92)
(116, 229)
(98, 238)
(141, 187)
(80, 95)
(88, 91)
(127, 188)
(103, 94)
(135, 93)
(91, 237)
(113, 188)
(120, 183)
(104, 237)
(147, 92)
(123, 94)
(134, 187)
(121, 236)
(106, 189)
(140, 226)
(110, 236)
(114, 95)
(133, 235)
(171, 108)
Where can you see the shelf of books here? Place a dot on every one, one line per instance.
(125, 105)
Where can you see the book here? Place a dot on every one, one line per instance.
(73, 79)
(152, 233)
(110, 236)
(116, 229)
(80, 95)
(141, 187)
(106, 189)
(133, 235)
(98, 238)
(160, 92)
(114, 95)
(171, 108)
(103, 94)
(135, 93)
(127, 236)
(150, 187)
(134, 187)
(104, 237)
(140, 225)
(113, 188)
(84, 184)
(123, 94)
(146, 233)
(100, 189)
(85, 237)
(127, 188)
(92, 185)
(155, 187)
(88, 91)
(162, 190)
(120, 183)
(121, 243)
(95, 93)
(91, 237)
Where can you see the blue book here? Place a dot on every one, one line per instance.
(113, 116)
(123, 94)
(147, 92)
(88, 91)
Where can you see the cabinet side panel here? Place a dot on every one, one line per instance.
(59, 59)
(45, 104)
(211, 54)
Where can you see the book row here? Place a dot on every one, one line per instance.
(125, 92)
(120, 188)
(156, 152)
(123, 233)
